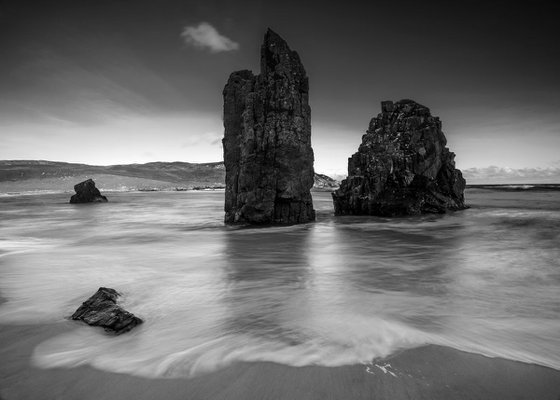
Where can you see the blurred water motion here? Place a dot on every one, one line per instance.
(343, 290)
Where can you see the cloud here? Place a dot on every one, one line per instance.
(211, 137)
(495, 174)
(205, 36)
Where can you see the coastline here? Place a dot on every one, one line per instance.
(428, 372)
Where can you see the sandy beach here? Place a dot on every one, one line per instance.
(429, 372)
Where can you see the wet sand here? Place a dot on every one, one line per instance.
(429, 372)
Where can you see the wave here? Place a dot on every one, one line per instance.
(362, 342)
(134, 355)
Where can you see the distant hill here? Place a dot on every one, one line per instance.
(325, 182)
(32, 175)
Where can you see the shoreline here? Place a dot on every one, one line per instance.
(428, 372)
(132, 190)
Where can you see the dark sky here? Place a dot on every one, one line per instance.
(107, 82)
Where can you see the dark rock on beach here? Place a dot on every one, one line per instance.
(267, 140)
(402, 167)
(86, 192)
(101, 309)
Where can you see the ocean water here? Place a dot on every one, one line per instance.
(342, 290)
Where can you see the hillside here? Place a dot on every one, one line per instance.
(32, 175)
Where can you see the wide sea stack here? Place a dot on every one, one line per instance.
(402, 167)
(267, 140)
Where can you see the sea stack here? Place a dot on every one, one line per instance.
(86, 192)
(267, 140)
(402, 167)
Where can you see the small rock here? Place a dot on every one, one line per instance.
(101, 309)
(86, 192)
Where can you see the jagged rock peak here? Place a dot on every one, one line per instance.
(274, 43)
(402, 167)
(267, 140)
(277, 57)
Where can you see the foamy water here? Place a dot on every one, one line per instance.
(340, 291)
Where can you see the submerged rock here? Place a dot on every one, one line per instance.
(267, 140)
(402, 167)
(101, 309)
(86, 192)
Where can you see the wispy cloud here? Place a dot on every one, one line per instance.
(205, 36)
(208, 138)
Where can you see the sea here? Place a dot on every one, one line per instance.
(339, 291)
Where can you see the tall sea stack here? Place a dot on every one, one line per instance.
(267, 140)
(402, 167)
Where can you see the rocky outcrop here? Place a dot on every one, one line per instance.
(324, 182)
(267, 140)
(402, 167)
(86, 192)
(101, 309)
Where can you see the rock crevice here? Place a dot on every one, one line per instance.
(402, 167)
(267, 140)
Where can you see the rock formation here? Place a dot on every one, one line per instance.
(324, 182)
(402, 167)
(267, 140)
(86, 192)
(101, 309)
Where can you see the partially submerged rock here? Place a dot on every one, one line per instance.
(402, 167)
(86, 192)
(101, 309)
(267, 140)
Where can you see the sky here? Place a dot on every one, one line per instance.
(133, 81)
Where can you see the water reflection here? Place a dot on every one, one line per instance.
(267, 272)
(376, 256)
(339, 291)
